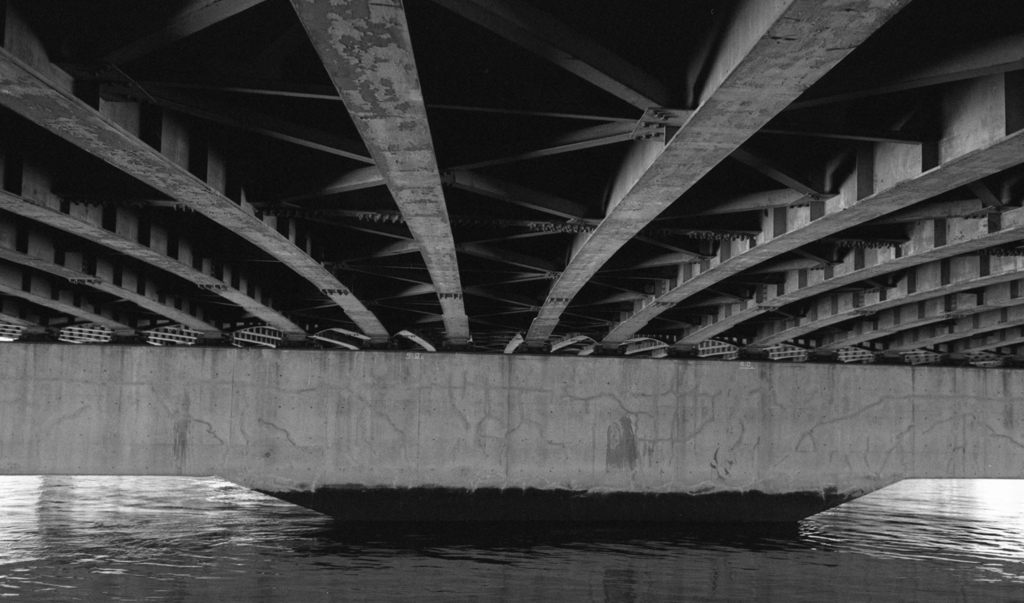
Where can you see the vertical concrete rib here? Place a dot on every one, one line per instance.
(772, 52)
(28, 93)
(367, 51)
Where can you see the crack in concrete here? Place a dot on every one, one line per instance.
(281, 429)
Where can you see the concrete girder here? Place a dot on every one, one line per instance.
(51, 105)
(978, 140)
(543, 35)
(1003, 338)
(971, 326)
(13, 312)
(192, 17)
(924, 255)
(15, 282)
(78, 223)
(41, 257)
(771, 54)
(928, 306)
(367, 52)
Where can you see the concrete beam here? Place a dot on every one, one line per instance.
(50, 106)
(992, 341)
(383, 421)
(367, 51)
(192, 17)
(928, 294)
(41, 291)
(546, 37)
(40, 247)
(970, 326)
(86, 224)
(976, 142)
(770, 54)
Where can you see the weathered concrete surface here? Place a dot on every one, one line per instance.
(297, 420)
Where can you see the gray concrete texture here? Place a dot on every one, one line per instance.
(295, 420)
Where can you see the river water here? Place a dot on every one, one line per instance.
(171, 539)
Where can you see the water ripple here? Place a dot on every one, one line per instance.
(146, 539)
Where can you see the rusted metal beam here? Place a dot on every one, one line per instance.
(543, 35)
(34, 97)
(770, 54)
(193, 16)
(367, 51)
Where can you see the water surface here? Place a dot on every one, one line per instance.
(171, 539)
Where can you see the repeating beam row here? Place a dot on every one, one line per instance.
(121, 282)
(978, 140)
(43, 96)
(769, 55)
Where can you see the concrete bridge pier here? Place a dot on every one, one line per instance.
(416, 436)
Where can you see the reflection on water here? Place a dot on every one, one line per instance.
(168, 539)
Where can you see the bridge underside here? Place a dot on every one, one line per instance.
(397, 435)
(791, 180)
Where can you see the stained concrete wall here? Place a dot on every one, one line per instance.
(280, 420)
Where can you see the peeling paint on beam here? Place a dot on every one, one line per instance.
(29, 94)
(770, 57)
(367, 51)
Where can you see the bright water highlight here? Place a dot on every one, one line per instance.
(171, 539)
